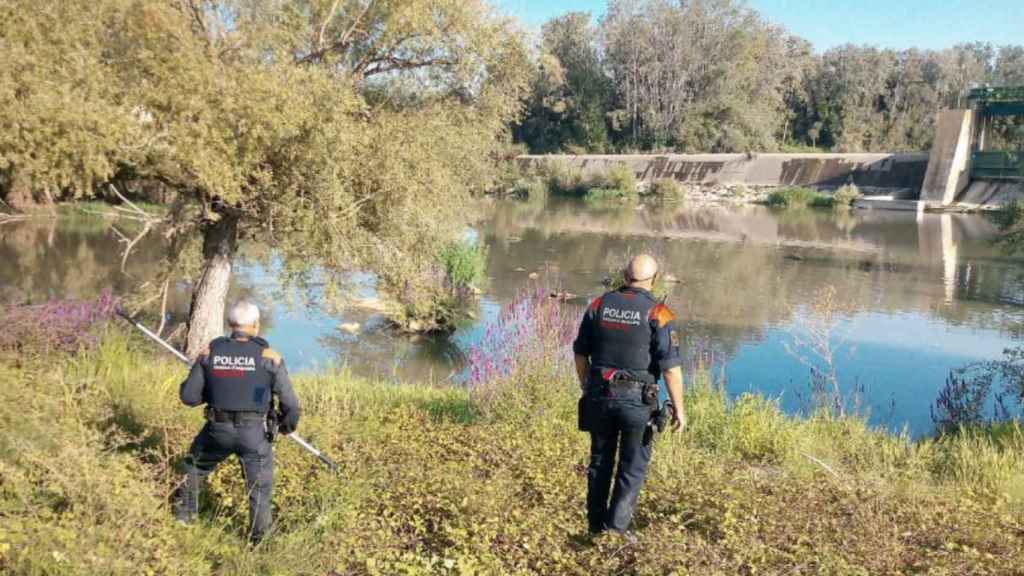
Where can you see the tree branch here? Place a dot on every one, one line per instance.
(342, 44)
(327, 21)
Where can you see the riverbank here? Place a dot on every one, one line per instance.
(487, 481)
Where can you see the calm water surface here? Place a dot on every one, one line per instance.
(918, 294)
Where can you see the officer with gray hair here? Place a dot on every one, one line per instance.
(238, 377)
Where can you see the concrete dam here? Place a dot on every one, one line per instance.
(959, 173)
(882, 173)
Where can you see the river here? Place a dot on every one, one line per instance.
(915, 295)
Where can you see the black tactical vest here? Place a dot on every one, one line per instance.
(623, 335)
(236, 379)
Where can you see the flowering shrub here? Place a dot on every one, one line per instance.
(531, 338)
(56, 326)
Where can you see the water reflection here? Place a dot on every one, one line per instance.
(927, 292)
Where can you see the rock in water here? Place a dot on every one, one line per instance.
(349, 327)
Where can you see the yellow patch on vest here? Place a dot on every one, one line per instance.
(663, 315)
(272, 355)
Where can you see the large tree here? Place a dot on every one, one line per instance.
(345, 133)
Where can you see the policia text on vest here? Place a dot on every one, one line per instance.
(626, 341)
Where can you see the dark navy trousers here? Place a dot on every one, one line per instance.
(215, 442)
(621, 429)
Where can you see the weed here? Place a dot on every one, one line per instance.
(465, 263)
(845, 196)
(666, 188)
(798, 198)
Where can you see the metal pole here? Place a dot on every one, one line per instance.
(293, 436)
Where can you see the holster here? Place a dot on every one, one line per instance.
(650, 394)
(270, 426)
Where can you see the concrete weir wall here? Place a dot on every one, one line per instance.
(883, 172)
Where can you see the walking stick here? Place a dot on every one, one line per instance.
(293, 436)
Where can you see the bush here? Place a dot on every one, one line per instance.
(845, 196)
(530, 188)
(56, 326)
(798, 198)
(562, 177)
(465, 263)
(616, 177)
(666, 188)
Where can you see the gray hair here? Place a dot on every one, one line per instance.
(243, 313)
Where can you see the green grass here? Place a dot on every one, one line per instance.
(606, 195)
(797, 197)
(465, 263)
(443, 481)
(565, 179)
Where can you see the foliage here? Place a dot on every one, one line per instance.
(531, 188)
(56, 326)
(343, 134)
(569, 91)
(563, 178)
(599, 195)
(845, 196)
(435, 482)
(1010, 221)
(532, 329)
(666, 188)
(616, 177)
(465, 263)
(797, 197)
(981, 393)
(718, 77)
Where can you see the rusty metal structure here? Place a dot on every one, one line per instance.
(992, 102)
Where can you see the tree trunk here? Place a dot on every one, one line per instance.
(206, 315)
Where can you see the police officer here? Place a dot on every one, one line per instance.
(626, 339)
(237, 378)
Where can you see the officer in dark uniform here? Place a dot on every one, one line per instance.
(626, 340)
(237, 378)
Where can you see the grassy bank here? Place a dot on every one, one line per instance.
(450, 481)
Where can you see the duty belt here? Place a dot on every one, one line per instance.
(235, 417)
(622, 378)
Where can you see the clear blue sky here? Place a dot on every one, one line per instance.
(827, 23)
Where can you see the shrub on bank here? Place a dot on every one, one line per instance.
(619, 177)
(465, 263)
(566, 179)
(563, 178)
(666, 188)
(797, 197)
(531, 188)
(845, 196)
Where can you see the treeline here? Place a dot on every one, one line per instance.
(715, 76)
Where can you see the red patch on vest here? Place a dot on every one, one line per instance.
(222, 373)
(662, 315)
(595, 304)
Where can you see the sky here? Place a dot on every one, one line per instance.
(932, 24)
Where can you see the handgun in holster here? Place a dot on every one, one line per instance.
(271, 426)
